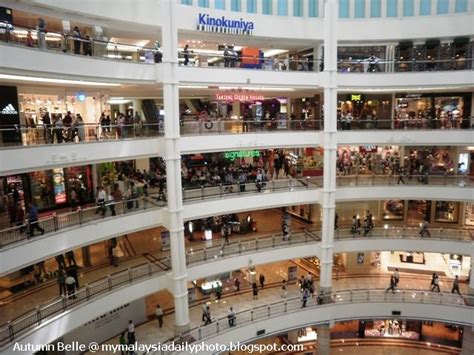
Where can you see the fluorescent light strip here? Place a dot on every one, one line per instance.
(54, 81)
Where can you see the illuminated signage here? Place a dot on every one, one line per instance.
(224, 25)
(241, 154)
(239, 97)
(59, 186)
(356, 97)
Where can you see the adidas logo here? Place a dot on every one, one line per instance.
(9, 110)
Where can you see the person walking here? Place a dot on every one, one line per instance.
(123, 343)
(354, 226)
(41, 33)
(284, 291)
(456, 285)
(207, 316)
(33, 219)
(131, 332)
(76, 34)
(393, 284)
(304, 298)
(60, 260)
(261, 279)
(254, 291)
(401, 172)
(62, 282)
(435, 283)
(396, 276)
(100, 199)
(236, 285)
(204, 308)
(159, 315)
(71, 258)
(231, 317)
(424, 229)
(71, 286)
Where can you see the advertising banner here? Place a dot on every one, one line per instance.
(9, 115)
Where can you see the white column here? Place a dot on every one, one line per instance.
(330, 142)
(367, 7)
(305, 8)
(400, 8)
(173, 165)
(351, 8)
(137, 107)
(324, 340)
(383, 8)
(416, 7)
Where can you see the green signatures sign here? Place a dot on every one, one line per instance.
(241, 154)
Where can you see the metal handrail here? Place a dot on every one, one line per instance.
(60, 221)
(293, 305)
(417, 179)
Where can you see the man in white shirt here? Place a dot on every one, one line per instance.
(100, 199)
(70, 286)
(231, 317)
(159, 315)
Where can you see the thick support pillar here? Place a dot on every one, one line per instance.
(330, 144)
(324, 340)
(137, 107)
(173, 166)
(468, 341)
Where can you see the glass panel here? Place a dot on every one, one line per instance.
(187, 2)
(408, 8)
(460, 6)
(425, 7)
(375, 8)
(282, 7)
(235, 5)
(443, 7)
(220, 4)
(343, 8)
(267, 7)
(252, 6)
(359, 9)
(313, 8)
(203, 3)
(298, 8)
(392, 6)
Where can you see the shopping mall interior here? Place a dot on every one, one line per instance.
(236, 177)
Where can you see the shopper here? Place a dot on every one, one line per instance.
(207, 316)
(261, 279)
(304, 298)
(71, 286)
(393, 284)
(231, 317)
(218, 292)
(60, 260)
(456, 285)
(70, 258)
(396, 275)
(41, 33)
(131, 332)
(435, 283)
(354, 226)
(33, 219)
(366, 226)
(76, 34)
(159, 315)
(424, 229)
(401, 172)
(254, 291)
(100, 200)
(47, 128)
(87, 46)
(29, 40)
(37, 274)
(79, 128)
(284, 291)
(58, 128)
(336, 220)
(186, 54)
(123, 343)
(236, 285)
(62, 281)
(67, 124)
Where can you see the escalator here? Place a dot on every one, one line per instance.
(152, 116)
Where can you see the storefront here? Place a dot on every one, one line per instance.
(439, 160)
(368, 110)
(50, 189)
(367, 159)
(432, 110)
(356, 59)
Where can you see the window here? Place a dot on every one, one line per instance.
(220, 4)
(235, 5)
(282, 7)
(343, 8)
(375, 8)
(392, 7)
(313, 6)
(408, 8)
(298, 8)
(267, 7)
(187, 2)
(203, 3)
(252, 6)
(443, 7)
(359, 11)
(425, 7)
(460, 6)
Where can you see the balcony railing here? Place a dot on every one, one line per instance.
(410, 180)
(82, 216)
(33, 135)
(196, 254)
(294, 305)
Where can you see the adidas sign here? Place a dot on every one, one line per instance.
(9, 110)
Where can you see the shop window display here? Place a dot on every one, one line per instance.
(43, 191)
(447, 211)
(393, 210)
(469, 214)
(419, 210)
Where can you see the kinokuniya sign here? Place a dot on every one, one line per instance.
(223, 24)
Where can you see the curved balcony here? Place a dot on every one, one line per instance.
(72, 230)
(281, 316)
(202, 261)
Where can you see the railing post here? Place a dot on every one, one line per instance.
(273, 240)
(256, 243)
(55, 222)
(220, 189)
(199, 333)
(202, 192)
(285, 306)
(240, 247)
(11, 334)
(130, 278)
(268, 311)
(403, 296)
(306, 235)
(251, 315)
(109, 282)
(88, 292)
(63, 300)
(124, 206)
(150, 271)
(145, 203)
(422, 298)
(200, 127)
(217, 327)
(79, 212)
(205, 254)
(440, 298)
(350, 296)
(368, 295)
(219, 125)
(38, 314)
